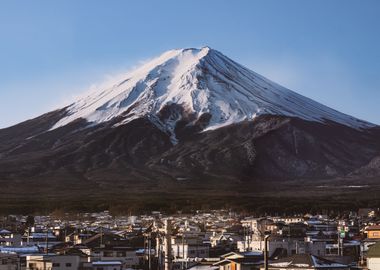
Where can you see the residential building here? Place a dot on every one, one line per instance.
(8, 238)
(190, 251)
(52, 262)
(288, 246)
(373, 232)
(106, 265)
(9, 262)
(127, 256)
(240, 261)
(373, 257)
(305, 262)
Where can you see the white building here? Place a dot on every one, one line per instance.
(107, 265)
(189, 246)
(126, 256)
(190, 251)
(288, 220)
(289, 245)
(373, 257)
(256, 227)
(52, 262)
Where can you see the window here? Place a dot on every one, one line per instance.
(68, 264)
(99, 268)
(56, 264)
(108, 254)
(121, 254)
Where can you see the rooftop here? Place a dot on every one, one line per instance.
(374, 251)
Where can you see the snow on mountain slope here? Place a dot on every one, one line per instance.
(200, 81)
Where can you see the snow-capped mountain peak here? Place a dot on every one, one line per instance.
(199, 81)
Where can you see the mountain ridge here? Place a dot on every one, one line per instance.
(201, 81)
(209, 125)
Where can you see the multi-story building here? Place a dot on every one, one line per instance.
(103, 265)
(287, 246)
(373, 232)
(127, 256)
(52, 262)
(8, 238)
(190, 251)
(373, 257)
(305, 262)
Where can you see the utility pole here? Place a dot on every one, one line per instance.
(158, 247)
(183, 251)
(249, 234)
(101, 237)
(149, 250)
(159, 252)
(47, 240)
(266, 237)
(361, 254)
(28, 236)
(168, 245)
(145, 247)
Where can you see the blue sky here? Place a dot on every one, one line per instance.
(52, 51)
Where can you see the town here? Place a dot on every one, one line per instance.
(217, 239)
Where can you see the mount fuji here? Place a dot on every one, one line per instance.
(199, 82)
(189, 117)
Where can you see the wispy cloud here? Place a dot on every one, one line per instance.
(99, 82)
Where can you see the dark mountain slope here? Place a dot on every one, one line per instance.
(191, 122)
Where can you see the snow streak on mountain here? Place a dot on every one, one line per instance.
(199, 82)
